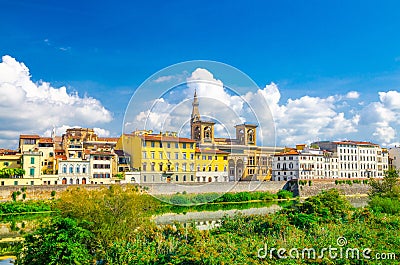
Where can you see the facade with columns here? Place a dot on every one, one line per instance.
(246, 160)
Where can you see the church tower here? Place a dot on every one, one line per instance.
(201, 131)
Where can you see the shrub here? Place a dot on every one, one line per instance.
(384, 205)
(284, 194)
(53, 193)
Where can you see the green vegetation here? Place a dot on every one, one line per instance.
(11, 172)
(24, 207)
(62, 241)
(385, 194)
(193, 199)
(113, 225)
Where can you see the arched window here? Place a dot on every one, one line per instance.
(84, 169)
(278, 166)
(207, 132)
(78, 169)
(71, 169)
(250, 135)
(64, 169)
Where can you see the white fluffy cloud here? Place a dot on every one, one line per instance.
(353, 95)
(384, 117)
(297, 121)
(29, 107)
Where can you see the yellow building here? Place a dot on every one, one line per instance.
(160, 158)
(10, 160)
(211, 165)
(246, 160)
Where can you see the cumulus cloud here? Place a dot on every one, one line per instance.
(383, 116)
(296, 121)
(29, 107)
(353, 95)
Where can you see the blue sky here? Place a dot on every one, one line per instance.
(105, 50)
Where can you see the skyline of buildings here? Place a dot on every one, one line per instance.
(79, 156)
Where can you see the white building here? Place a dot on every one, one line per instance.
(358, 159)
(341, 159)
(74, 171)
(101, 167)
(304, 163)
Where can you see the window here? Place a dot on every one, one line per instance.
(6, 164)
(32, 160)
(152, 154)
(160, 144)
(168, 145)
(144, 178)
(191, 156)
(64, 169)
(32, 172)
(71, 169)
(144, 143)
(204, 157)
(184, 145)
(78, 169)
(191, 178)
(176, 178)
(191, 146)
(144, 166)
(216, 168)
(176, 156)
(161, 155)
(184, 155)
(176, 145)
(152, 144)
(225, 157)
(184, 167)
(209, 157)
(144, 154)
(84, 169)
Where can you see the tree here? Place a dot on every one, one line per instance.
(387, 187)
(62, 241)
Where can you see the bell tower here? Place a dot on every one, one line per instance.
(201, 131)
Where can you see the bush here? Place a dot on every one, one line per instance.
(384, 205)
(53, 193)
(284, 194)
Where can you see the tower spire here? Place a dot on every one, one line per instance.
(195, 110)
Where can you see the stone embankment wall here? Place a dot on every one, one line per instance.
(319, 185)
(44, 191)
(40, 191)
(220, 187)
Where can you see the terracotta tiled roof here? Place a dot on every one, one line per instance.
(290, 152)
(101, 153)
(29, 136)
(7, 152)
(210, 151)
(162, 138)
(356, 143)
(107, 139)
(62, 157)
(45, 140)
